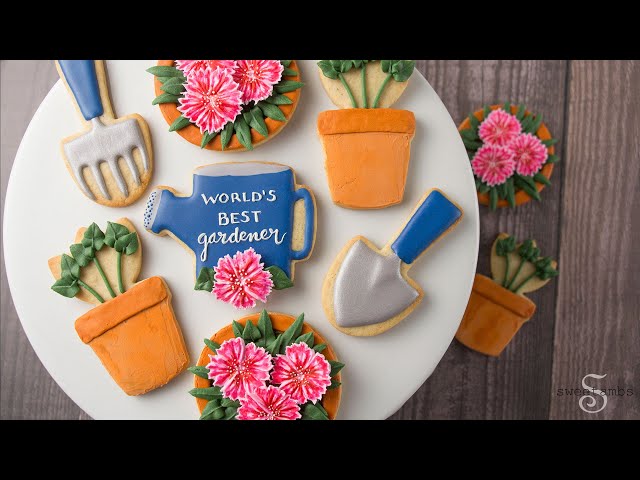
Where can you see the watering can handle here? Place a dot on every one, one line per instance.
(432, 219)
(304, 194)
(83, 83)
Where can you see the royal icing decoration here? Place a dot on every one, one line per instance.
(367, 286)
(227, 98)
(106, 140)
(498, 306)
(241, 280)
(511, 154)
(257, 374)
(235, 207)
(133, 329)
(367, 150)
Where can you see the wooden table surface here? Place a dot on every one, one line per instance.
(588, 319)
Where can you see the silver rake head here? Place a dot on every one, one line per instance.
(107, 143)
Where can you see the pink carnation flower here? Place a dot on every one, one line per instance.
(211, 99)
(493, 164)
(242, 280)
(302, 373)
(268, 403)
(238, 368)
(256, 78)
(529, 154)
(193, 66)
(499, 128)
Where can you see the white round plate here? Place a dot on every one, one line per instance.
(44, 208)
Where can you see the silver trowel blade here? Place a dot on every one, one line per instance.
(369, 288)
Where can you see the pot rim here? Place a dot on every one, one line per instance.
(366, 120)
(330, 400)
(519, 305)
(192, 134)
(543, 133)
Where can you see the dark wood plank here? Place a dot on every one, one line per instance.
(598, 328)
(28, 392)
(467, 385)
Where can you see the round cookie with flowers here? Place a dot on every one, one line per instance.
(511, 153)
(267, 366)
(227, 105)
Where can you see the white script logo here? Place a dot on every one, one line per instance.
(589, 402)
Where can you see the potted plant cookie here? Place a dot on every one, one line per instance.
(133, 329)
(227, 105)
(267, 366)
(367, 144)
(497, 307)
(511, 153)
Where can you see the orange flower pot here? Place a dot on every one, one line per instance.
(136, 336)
(280, 321)
(493, 316)
(367, 153)
(192, 134)
(542, 133)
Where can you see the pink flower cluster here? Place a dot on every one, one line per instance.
(216, 90)
(506, 150)
(241, 279)
(244, 372)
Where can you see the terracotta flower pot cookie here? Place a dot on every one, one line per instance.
(511, 153)
(267, 366)
(227, 105)
(497, 307)
(367, 145)
(133, 330)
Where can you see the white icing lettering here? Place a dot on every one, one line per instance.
(272, 196)
(223, 197)
(223, 218)
(235, 197)
(202, 240)
(209, 199)
(234, 217)
(245, 217)
(238, 236)
(256, 196)
(256, 214)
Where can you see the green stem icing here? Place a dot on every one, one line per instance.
(91, 291)
(119, 266)
(384, 84)
(522, 284)
(104, 277)
(506, 271)
(349, 92)
(522, 262)
(364, 86)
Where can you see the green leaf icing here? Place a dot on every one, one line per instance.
(205, 280)
(243, 132)
(202, 372)
(69, 267)
(207, 138)
(179, 123)
(335, 367)
(210, 393)
(66, 286)
(165, 98)
(213, 346)
(238, 329)
(165, 71)
(312, 412)
(305, 338)
(267, 335)
(227, 133)
(279, 278)
(272, 111)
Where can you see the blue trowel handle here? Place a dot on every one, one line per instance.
(83, 83)
(432, 219)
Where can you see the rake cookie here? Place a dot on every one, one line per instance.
(111, 160)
